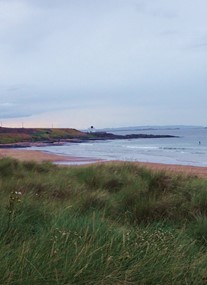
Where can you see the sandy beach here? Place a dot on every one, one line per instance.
(39, 156)
(178, 169)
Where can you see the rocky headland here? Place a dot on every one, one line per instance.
(26, 137)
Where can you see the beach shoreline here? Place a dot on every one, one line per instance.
(40, 156)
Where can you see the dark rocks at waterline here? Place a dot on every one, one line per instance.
(110, 136)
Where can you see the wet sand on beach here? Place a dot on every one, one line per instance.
(39, 156)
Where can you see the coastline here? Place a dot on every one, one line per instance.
(39, 156)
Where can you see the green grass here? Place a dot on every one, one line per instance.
(15, 135)
(101, 224)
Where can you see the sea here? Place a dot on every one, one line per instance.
(188, 147)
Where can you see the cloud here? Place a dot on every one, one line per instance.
(5, 105)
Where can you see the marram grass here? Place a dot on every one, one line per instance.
(101, 224)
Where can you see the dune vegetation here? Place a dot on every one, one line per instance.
(113, 223)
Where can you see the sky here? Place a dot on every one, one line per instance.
(111, 63)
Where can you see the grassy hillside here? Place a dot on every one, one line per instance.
(14, 135)
(100, 224)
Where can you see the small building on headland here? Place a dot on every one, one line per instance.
(92, 129)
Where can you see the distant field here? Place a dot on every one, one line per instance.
(109, 224)
(14, 135)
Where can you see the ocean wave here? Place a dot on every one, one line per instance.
(142, 147)
(174, 148)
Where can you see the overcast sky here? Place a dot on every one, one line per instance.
(76, 63)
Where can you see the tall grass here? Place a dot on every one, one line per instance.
(100, 224)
